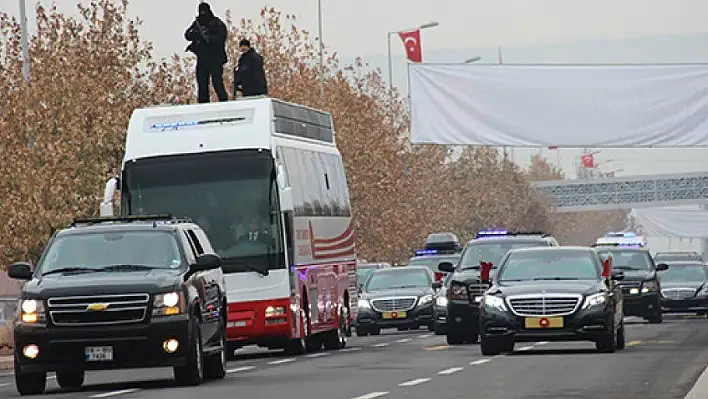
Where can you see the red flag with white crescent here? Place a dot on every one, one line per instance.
(485, 270)
(411, 41)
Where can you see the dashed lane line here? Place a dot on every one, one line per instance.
(633, 343)
(404, 340)
(411, 383)
(4, 385)
(115, 393)
(372, 395)
(424, 336)
(451, 370)
(480, 361)
(436, 348)
(281, 361)
(381, 345)
(240, 369)
(525, 348)
(542, 343)
(352, 349)
(318, 354)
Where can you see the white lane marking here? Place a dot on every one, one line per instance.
(114, 393)
(413, 382)
(525, 348)
(381, 345)
(450, 370)
(480, 361)
(281, 361)
(372, 395)
(5, 384)
(542, 343)
(318, 354)
(239, 369)
(354, 349)
(425, 336)
(404, 340)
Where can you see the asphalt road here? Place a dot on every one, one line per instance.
(660, 361)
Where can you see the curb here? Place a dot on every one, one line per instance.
(700, 389)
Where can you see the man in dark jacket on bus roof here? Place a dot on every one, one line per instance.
(249, 75)
(207, 35)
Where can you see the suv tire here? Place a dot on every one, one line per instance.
(192, 373)
(70, 379)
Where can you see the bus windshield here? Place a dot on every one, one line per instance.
(232, 195)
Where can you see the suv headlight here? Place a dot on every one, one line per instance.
(649, 286)
(32, 311)
(441, 301)
(494, 302)
(168, 304)
(425, 299)
(457, 291)
(363, 303)
(595, 300)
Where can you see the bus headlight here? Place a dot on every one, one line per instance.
(32, 311)
(168, 304)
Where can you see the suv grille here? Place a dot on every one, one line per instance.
(108, 309)
(678, 293)
(391, 304)
(544, 305)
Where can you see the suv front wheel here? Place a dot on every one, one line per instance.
(30, 383)
(192, 373)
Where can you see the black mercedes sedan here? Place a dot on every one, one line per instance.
(399, 297)
(552, 294)
(684, 287)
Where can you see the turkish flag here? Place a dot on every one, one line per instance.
(411, 41)
(485, 270)
(587, 160)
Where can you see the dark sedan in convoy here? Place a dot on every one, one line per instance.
(399, 297)
(684, 287)
(364, 270)
(440, 307)
(640, 286)
(552, 294)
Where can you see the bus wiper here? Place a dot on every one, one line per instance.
(250, 266)
(554, 278)
(73, 270)
(128, 267)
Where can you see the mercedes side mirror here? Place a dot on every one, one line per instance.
(446, 267)
(661, 267)
(20, 271)
(437, 285)
(206, 262)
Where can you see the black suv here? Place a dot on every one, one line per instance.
(640, 287)
(465, 288)
(552, 294)
(114, 293)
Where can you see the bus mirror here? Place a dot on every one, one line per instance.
(286, 200)
(281, 176)
(108, 194)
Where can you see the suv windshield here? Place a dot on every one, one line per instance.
(398, 278)
(693, 272)
(480, 251)
(155, 249)
(628, 260)
(549, 265)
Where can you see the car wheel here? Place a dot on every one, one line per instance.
(337, 339)
(472, 337)
(215, 365)
(620, 340)
(490, 346)
(192, 373)
(657, 317)
(70, 379)
(30, 383)
(454, 338)
(298, 346)
(375, 331)
(607, 344)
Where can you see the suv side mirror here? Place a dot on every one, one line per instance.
(618, 275)
(661, 267)
(446, 267)
(206, 262)
(437, 285)
(20, 271)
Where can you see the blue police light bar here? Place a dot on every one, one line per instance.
(482, 233)
(423, 252)
(621, 234)
(630, 245)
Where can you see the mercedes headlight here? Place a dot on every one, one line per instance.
(494, 302)
(441, 301)
(425, 299)
(649, 286)
(595, 300)
(32, 311)
(168, 304)
(363, 303)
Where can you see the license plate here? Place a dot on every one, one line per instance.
(237, 324)
(395, 315)
(543, 322)
(99, 353)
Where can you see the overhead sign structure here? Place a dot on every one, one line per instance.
(559, 105)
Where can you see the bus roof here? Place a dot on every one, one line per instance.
(245, 123)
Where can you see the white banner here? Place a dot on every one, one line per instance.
(566, 106)
(673, 221)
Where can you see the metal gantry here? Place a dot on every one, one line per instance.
(627, 192)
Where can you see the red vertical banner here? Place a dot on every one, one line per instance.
(411, 42)
(587, 161)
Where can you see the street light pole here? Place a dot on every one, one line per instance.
(427, 25)
(24, 41)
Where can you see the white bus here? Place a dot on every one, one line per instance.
(266, 182)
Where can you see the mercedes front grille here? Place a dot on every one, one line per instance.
(678, 293)
(544, 304)
(394, 304)
(98, 309)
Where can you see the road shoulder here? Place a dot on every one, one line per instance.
(700, 389)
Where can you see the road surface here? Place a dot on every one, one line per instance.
(660, 361)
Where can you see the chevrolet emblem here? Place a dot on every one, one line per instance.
(97, 307)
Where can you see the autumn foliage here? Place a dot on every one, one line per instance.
(62, 134)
